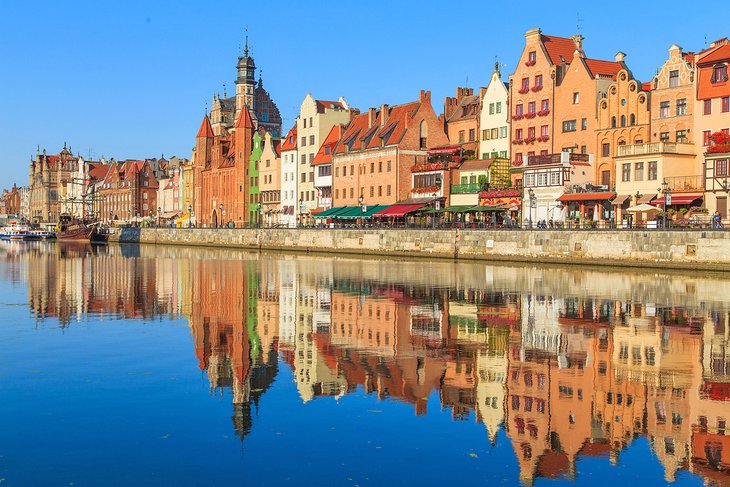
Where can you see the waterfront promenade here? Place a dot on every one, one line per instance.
(692, 250)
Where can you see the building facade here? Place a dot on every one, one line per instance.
(494, 119)
(289, 174)
(270, 181)
(461, 117)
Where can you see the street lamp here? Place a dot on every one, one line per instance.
(667, 200)
(159, 216)
(190, 216)
(360, 200)
(531, 196)
(260, 212)
(300, 223)
(435, 209)
(220, 222)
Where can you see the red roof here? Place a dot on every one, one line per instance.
(398, 210)
(244, 119)
(205, 129)
(557, 47)
(276, 145)
(322, 104)
(359, 134)
(722, 53)
(606, 68)
(689, 56)
(290, 141)
(98, 171)
(646, 86)
(324, 155)
(586, 196)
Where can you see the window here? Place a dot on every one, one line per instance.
(626, 172)
(491, 108)
(584, 149)
(388, 190)
(623, 120)
(372, 191)
(707, 107)
(532, 56)
(310, 122)
(706, 137)
(388, 166)
(472, 135)
(632, 119)
(652, 171)
(673, 79)
(518, 134)
(721, 167)
(304, 177)
(719, 74)
(663, 109)
(352, 192)
(305, 123)
(531, 107)
(503, 154)
(569, 126)
(531, 132)
(503, 132)
(519, 109)
(344, 171)
(639, 171)
(664, 137)
(606, 149)
(380, 191)
(304, 141)
(584, 124)
(542, 179)
(525, 83)
(311, 140)
(380, 166)
(555, 178)
(681, 136)
(461, 136)
(544, 131)
(576, 98)
(613, 122)
(499, 107)
(304, 158)
(681, 107)
(538, 80)
(725, 103)
(518, 157)
(372, 167)
(485, 134)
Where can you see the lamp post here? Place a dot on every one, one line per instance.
(667, 201)
(159, 216)
(190, 216)
(220, 209)
(360, 201)
(300, 223)
(531, 196)
(436, 207)
(260, 213)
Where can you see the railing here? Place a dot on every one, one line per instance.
(654, 148)
(685, 183)
(467, 188)
(560, 158)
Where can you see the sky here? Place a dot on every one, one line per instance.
(132, 79)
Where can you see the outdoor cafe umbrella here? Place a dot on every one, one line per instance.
(643, 208)
(597, 213)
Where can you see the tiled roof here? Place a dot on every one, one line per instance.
(722, 53)
(475, 164)
(324, 155)
(290, 141)
(646, 86)
(244, 118)
(359, 135)
(205, 129)
(467, 108)
(322, 104)
(276, 145)
(689, 56)
(98, 171)
(557, 47)
(605, 68)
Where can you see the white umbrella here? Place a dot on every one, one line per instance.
(643, 208)
(597, 213)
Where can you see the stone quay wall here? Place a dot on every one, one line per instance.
(638, 248)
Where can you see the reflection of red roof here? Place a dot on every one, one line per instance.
(290, 141)
(324, 155)
(606, 68)
(557, 47)
(595, 449)
(553, 465)
(716, 391)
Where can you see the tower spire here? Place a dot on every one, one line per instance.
(245, 50)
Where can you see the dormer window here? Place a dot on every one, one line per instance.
(719, 74)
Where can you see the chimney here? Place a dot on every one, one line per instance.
(424, 96)
(383, 113)
(620, 57)
(719, 42)
(372, 116)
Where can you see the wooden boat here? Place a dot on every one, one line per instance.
(74, 229)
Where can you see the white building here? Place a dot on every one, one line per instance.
(316, 119)
(288, 185)
(494, 118)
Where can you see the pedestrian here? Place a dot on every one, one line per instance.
(716, 220)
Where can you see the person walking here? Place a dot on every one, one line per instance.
(716, 220)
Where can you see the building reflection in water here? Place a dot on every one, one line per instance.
(570, 363)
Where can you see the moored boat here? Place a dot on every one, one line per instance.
(17, 232)
(74, 229)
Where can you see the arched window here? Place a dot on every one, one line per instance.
(424, 135)
(613, 122)
(623, 120)
(632, 119)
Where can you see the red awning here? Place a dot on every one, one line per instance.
(586, 196)
(677, 199)
(399, 210)
(445, 150)
(317, 211)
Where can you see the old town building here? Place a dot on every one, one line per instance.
(377, 151)
(51, 177)
(494, 140)
(712, 123)
(672, 96)
(316, 119)
(322, 165)
(461, 117)
(270, 181)
(127, 192)
(10, 202)
(289, 174)
(253, 197)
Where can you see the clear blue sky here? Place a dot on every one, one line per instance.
(130, 79)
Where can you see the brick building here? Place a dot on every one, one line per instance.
(10, 202)
(127, 192)
(461, 117)
(378, 148)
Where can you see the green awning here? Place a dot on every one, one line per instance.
(330, 213)
(484, 208)
(355, 212)
(459, 209)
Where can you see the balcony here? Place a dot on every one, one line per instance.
(470, 188)
(655, 148)
(560, 158)
(686, 183)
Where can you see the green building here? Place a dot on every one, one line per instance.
(254, 193)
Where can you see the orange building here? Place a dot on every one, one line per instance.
(672, 99)
(10, 202)
(375, 153)
(461, 115)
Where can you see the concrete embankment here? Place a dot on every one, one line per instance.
(652, 248)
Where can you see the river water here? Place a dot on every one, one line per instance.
(128, 365)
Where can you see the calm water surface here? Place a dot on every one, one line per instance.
(164, 366)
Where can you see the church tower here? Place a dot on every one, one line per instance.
(245, 81)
